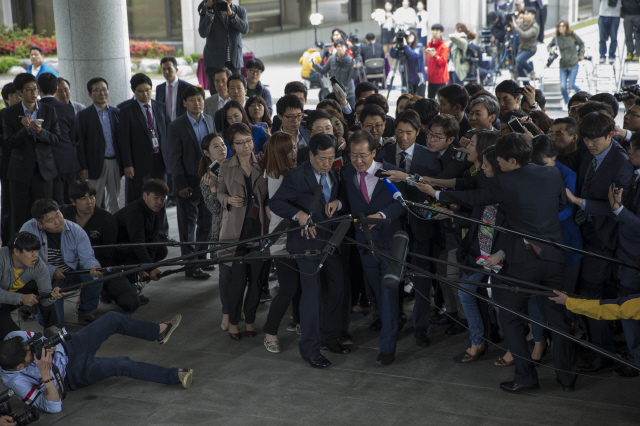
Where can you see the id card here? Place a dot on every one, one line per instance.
(155, 143)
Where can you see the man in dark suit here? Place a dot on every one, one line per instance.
(514, 189)
(604, 163)
(318, 121)
(361, 192)
(170, 92)
(30, 130)
(453, 101)
(217, 100)
(64, 153)
(237, 89)
(10, 98)
(413, 159)
(185, 134)
(143, 142)
(292, 200)
(223, 32)
(97, 145)
(372, 50)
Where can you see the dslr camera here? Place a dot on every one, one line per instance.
(625, 93)
(37, 345)
(552, 57)
(400, 38)
(28, 417)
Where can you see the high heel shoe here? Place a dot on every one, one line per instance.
(250, 333)
(544, 353)
(224, 326)
(235, 336)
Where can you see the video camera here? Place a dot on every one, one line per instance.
(353, 37)
(400, 38)
(28, 417)
(37, 345)
(625, 93)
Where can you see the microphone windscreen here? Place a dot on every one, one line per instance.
(395, 270)
(395, 193)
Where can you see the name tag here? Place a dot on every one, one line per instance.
(155, 143)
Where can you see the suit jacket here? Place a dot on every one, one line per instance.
(43, 69)
(161, 91)
(211, 105)
(27, 153)
(184, 151)
(629, 226)
(64, 154)
(5, 152)
(380, 201)
(218, 119)
(295, 194)
(91, 145)
(614, 168)
(516, 192)
(136, 146)
(212, 27)
(465, 126)
(125, 103)
(231, 182)
(451, 167)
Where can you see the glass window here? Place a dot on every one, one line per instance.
(263, 15)
(334, 10)
(147, 19)
(43, 22)
(175, 16)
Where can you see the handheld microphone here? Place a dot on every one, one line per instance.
(395, 270)
(313, 206)
(335, 241)
(282, 226)
(395, 193)
(366, 231)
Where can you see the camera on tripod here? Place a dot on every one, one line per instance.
(625, 94)
(37, 345)
(28, 417)
(400, 38)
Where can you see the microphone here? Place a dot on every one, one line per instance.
(282, 226)
(366, 231)
(395, 193)
(335, 241)
(395, 270)
(313, 206)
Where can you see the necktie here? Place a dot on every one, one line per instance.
(326, 191)
(581, 217)
(403, 160)
(152, 129)
(363, 186)
(169, 100)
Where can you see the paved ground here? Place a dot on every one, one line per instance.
(240, 383)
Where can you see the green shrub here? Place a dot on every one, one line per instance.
(6, 64)
(195, 57)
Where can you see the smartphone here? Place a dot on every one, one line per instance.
(460, 156)
(214, 167)
(379, 173)
(39, 120)
(337, 87)
(515, 125)
(614, 187)
(414, 179)
(338, 163)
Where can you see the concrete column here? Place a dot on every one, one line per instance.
(93, 41)
(450, 12)
(6, 16)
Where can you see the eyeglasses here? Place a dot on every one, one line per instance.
(370, 127)
(246, 142)
(103, 90)
(34, 90)
(363, 157)
(254, 71)
(631, 114)
(326, 129)
(293, 118)
(435, 137)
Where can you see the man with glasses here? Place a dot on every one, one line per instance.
(373, 120)
(255, 68)
(63, 94)
(320, 327)
(290, 112)
(631, 121)
(97, 145)
(30, 130)
(364, 193)
(318, 121)
(143, 142)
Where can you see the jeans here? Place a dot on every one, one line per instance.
(571, 76)
(470, 306)
(522, 66)
(608, 26)
(84, 368)
(89, 297)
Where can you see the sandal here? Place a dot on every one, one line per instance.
(500, 362)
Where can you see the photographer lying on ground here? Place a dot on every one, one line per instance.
(73, 364)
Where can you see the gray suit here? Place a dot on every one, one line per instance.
(211, 105)
(213, 27)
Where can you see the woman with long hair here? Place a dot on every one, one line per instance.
(571, 49)
(280, 157)
(460, 41)
(215, 152)
(233, 113)
(242, 191)
(258, 112)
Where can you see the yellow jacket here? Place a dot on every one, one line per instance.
(306, 65)
(612, 309)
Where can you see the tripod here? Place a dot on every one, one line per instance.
(401, 61)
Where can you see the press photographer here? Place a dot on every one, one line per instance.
(222, 24)
(41, 371)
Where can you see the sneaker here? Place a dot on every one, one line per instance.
(629, 56)
(87, 319)
(603, 60)
(532, 75)
(292, 326)
(186, 377)
(266, 297)
(635, 58)
(611, 61)
(172, 324)
(272, 345)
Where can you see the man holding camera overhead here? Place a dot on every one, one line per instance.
(222, 24)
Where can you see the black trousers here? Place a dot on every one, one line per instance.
(61, 184)
(422, 285)
(5, 212)
(121, 291)
(595, 284)
(541, 17)
(7, 325)
(133, 188)
(320, 317)
(23, 195)
(516, 329)
(209, 72)
(432, 90)
(194, 221)
(243, 274)
(289, 291)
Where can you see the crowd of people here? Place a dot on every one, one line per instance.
(239, 170)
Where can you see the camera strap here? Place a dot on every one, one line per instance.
(62, 388)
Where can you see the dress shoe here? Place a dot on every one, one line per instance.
(198, 274)
(457, 328)
(143, 299)
(625, 371)
(513, 387)
(336, 348)
(565, 388)
(376, 325)
(87, 319)
(596, 365)
(385, 359)
(208, 268)
(421, 337)
(317, 361)
(166, 239)
(265, 296)
(291, 326)
(345, 339)
(250, 333)
(442, 320)
(235, 336)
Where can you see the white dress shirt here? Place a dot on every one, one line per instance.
(370, 180)
(408, 156)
